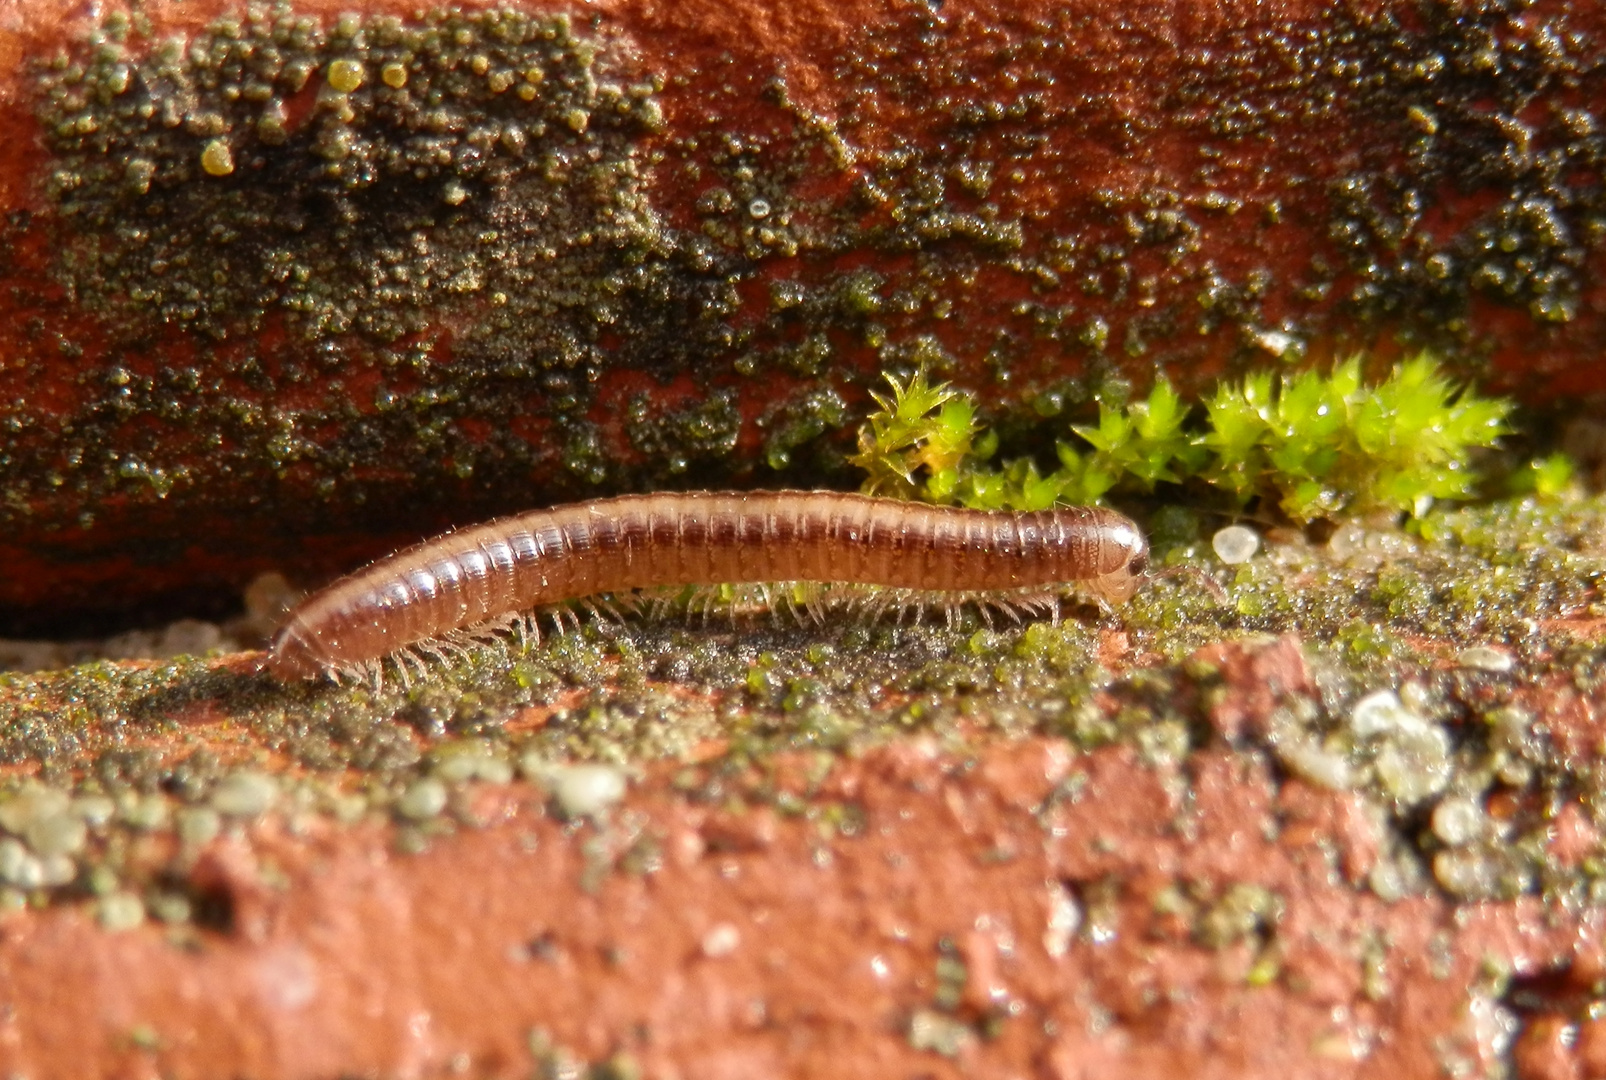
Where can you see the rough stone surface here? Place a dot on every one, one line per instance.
(330, 953)
(282, 288)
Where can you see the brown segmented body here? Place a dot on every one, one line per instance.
(546, 557)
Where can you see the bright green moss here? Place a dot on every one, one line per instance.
(921, 430)
(1315, 445)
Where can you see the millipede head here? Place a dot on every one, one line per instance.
(292, 656)
(1118, 585)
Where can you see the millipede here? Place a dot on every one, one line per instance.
(465, 585)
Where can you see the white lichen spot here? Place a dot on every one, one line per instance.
(18, 866)
(1484, 658)
(1380, 713)
(1467, 873)
(146, 813)
(586, 790)
(1458, 820)
(120, 911)
(94, 810)
(1311, 761)
(1356, 546)
(473, 760)
(1064, 920)
(31, 804)
(1235, 544)
(58, 834)
(198, 826)
(245, 794)
(722, 939)
(939, 1033)
(1387, 882)
(1492, 1027)
(1414, 765)
(423, 800)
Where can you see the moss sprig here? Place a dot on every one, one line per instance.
(1315, 444)
(915, 444)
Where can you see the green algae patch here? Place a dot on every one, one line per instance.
(1311, 445)
(195, 170)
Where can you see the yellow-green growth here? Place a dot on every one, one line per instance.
(1327, 444)
(1549, 477)
(914, 445)
(1317, 444)
(1145, 441)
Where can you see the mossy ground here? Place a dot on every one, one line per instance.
(1456, 625)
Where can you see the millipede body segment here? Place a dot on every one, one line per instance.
(544, 557)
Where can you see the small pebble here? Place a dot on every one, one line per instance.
(198, 825)
(147, 813)
(1457, 821)
(425, 799)
(31, 804)
(721, 940)
(121, 911)
(17, 866)
(59, 834)
(1235, 544)
(245, 794)
(57, 870)
(473, 762)
(587, 790)
(94, 810)
(1381, 713)
(1486, 659)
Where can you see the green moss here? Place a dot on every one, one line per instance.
(922, 430)
(1313, 445)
